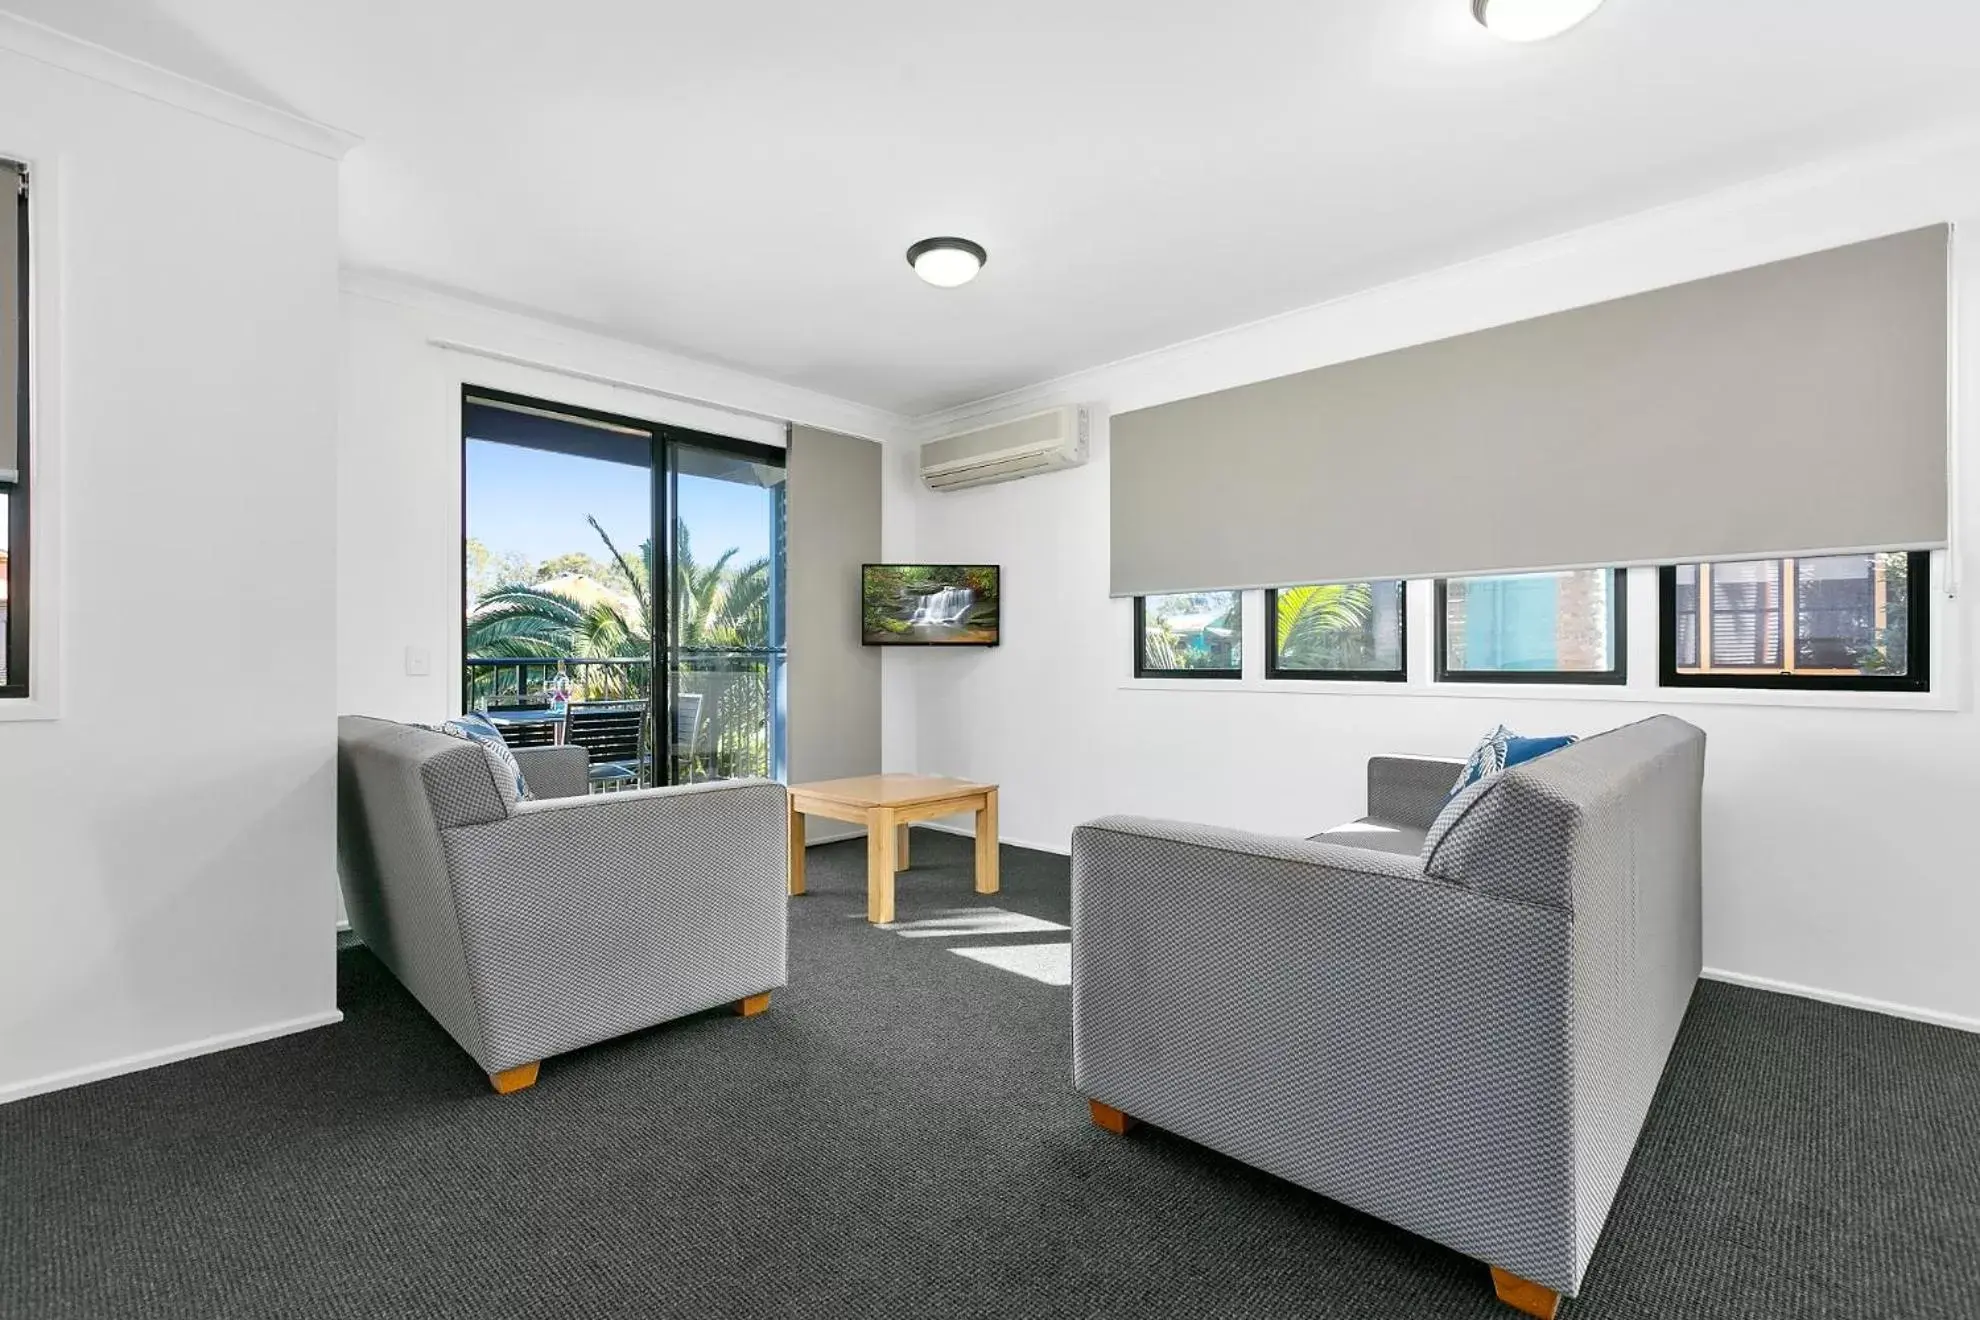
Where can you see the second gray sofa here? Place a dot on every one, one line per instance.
(1452, 1022)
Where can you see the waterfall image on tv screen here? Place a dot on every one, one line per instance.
(929, 605)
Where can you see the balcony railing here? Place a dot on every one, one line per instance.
(728, 720)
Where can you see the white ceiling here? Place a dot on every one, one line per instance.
(739, 181)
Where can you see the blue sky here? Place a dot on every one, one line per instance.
(534, 503)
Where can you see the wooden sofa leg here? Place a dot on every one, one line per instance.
(510, 1080)
(751, 1005)
(1525, 1295)
(1112, 1119)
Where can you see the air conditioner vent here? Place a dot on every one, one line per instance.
(1042, 442)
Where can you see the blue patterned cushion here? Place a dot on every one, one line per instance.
(1488, 758)
(475, 728)
(1519, 750)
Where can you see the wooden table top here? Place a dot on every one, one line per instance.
(890, 790)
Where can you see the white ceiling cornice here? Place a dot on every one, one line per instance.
(505, 334)
(37, 41)
(1922, 178)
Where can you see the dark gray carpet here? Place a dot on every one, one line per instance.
(898, 1136)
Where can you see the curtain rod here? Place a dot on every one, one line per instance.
(616, 382)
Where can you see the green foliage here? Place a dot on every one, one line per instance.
(1194, 630)
(487, 570)
(1326, 627)
(576, 564)
(582, 608)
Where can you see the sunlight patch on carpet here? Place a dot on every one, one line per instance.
(956, 923)
(1050, 963)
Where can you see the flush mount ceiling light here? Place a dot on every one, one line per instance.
(947, 262)
(1531, 20)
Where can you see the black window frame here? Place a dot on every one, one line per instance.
(20, 495)
(1918, 641)
(1400, 674)
(1141, 669)
(1616, 675)
(660, 437)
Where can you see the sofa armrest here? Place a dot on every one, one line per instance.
(555, 772)
(586, 917)
(1410, 790)
(1191, 848)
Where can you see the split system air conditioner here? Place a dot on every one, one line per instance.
(1042, 442)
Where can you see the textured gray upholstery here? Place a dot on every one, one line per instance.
(1467, 1054)
(554, 772)
(1410, 790)
(1373, 832)
(568, 920)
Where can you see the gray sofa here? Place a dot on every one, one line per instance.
(528, 929)
(1455, 1024)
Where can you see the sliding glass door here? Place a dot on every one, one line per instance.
(725, 633)
(623, 590)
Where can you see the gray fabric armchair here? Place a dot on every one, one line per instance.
(1454, 1023)
(530, 929)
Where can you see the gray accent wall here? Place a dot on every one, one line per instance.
(1790, 408)
(832, 527)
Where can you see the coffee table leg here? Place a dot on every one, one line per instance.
(797, 850)
(986, 844)
(900, 848)
(880, 840)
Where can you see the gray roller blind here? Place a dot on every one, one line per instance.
(1792, 407)
(12, 332)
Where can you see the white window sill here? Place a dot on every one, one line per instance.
(22, 710)
(1661, 696)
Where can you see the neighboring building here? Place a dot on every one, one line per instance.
(1533, 621)
(1824, 614)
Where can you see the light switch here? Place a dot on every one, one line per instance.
(419, 662)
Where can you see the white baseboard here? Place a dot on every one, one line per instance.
(130, 1063)
(969, 832)
(1931, 1015)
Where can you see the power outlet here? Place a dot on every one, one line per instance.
(419, 662)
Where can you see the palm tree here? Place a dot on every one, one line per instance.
(718, 606)
(1325, 627)
(715, 607)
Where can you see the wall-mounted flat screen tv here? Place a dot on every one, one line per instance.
(929, 604)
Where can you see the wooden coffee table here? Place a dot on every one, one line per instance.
(885, 804)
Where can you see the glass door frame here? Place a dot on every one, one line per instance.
(665, 440)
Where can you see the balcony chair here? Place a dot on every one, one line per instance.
(613, 736)
(538, 732)
(687, 734)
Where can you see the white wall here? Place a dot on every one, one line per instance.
(166, 840)
(399, 460)
(1840, 846)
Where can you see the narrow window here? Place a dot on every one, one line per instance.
(1822, 622)
(1197, 634)
(14, 498)
(1337, 630)
(1564, 627)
